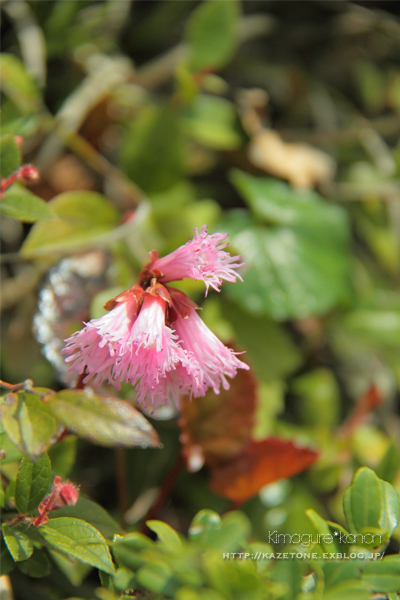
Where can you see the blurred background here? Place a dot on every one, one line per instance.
(277, 122)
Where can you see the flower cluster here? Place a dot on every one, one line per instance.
(153, 337)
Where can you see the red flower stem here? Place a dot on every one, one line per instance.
(79, 384)
(165, 490)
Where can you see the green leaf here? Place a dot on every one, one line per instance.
(28, 423)
(269, 349)
(340, 570)
(103, 420)
(63, 455)
(18, 84)
(390, 507)
(33, 480)
(211, 121)
(74, 570)
(130, 550)
(92, 513)
(81, 218)
(21, 204)
(11, 452)
(351, 588)
(319, 397)
(156, 132)
(37, 565)
(383, 575)
(212, 34)
(157, 577)
(10, 155)
(228, 536)
(203, 527)
(295, 249)
(363, 500)
(79, 539)
(389, 465)
(7, 563)
(19, 545)
(165, 534)
(327, 540)
(371, 503)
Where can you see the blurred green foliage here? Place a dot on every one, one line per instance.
(278, 123)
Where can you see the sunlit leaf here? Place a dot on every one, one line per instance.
(19, 545)
(295, 248)
(28, 423)
(92, 513)
(21, 204)
(81, 218)
(79, 539)
(103, 420)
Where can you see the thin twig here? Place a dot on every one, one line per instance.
(165, 490)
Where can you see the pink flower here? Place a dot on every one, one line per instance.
(94, 349)
(153, 351)
(153, 338)
(203, 258)
(215, 360)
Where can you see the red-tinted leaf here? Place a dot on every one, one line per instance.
(219, 426)
(257, 465)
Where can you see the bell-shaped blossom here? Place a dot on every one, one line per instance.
(153, 351)
(215, 360)
(202, 258)
(152, 336)
(94, 349)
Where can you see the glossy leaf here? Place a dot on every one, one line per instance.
(295, 249)
(103, 420)
(212, 34)
(18, 544)
(33, 480)
(81, 218)
(92, 513)
(28, 423)
(371, 502)
(257, 465)
(21, 204)
(10, 155)
(79, 539)
(203, 527)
